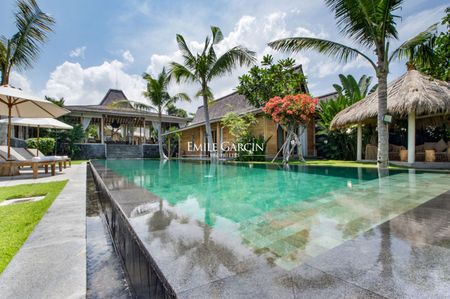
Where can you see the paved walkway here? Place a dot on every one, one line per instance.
(26, 176)
(52, 261)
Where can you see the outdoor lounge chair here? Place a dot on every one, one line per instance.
(63, 159)
(24, 154)
(13, 164)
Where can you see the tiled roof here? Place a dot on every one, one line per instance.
(217, 109)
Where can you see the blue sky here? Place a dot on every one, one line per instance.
(108, 44)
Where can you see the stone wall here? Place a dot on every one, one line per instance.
(90, 151)
(151, 151)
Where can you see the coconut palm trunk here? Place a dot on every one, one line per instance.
(383, 134)
(160, 137)
(209, 140)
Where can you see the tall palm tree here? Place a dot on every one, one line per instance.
(203, 67)
(22, 49)
(371, 24)
(160, 98)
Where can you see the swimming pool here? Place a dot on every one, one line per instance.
(287, 217)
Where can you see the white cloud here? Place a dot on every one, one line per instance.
(78, 52)
(249, 31)
(80, 85)
(20, 81)
(127, 56)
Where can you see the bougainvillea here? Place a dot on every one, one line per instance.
(292, 109)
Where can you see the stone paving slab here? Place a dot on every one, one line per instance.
(52, 261)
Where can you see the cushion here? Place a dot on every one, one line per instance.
(420, 148)
(429, 145)
(440, 146)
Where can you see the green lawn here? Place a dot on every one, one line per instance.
(76, 162)
(17, 221)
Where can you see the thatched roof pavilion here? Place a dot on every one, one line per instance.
(413, 95)
(412, 92)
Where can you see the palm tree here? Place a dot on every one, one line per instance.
(159, 97)
(371, 24)
(22, 49)
(203, 67)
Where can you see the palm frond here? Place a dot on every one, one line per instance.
(208, 92)
(126, 104)
(336, 50)
(187, 54)
(366, 21)
(34, 26)
(181, 73)
(181, 96)
(226, 62)
(422, 42)
(217, 35)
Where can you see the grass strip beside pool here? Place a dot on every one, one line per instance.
(17, 221)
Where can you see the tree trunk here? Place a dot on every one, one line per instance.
(209, 140)
(160, 141)
(383, 134)
(5, 78)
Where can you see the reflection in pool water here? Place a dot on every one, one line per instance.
(286, 216)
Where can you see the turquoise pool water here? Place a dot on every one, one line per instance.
(237, 192)
(290, 215)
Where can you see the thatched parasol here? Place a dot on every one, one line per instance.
(413, 91)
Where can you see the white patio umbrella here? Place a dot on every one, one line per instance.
(20, 104)
(48, 123)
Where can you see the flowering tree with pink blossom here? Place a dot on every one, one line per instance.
(291, 112)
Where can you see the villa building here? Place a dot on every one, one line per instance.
(120, 124)
(194, 133)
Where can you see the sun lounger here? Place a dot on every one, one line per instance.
(23, 154)
(11, 164)
(64, 159)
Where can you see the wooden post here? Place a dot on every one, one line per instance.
(37, 146)
(411, 137)
(102, 137)
(359, 143)
(9, 130)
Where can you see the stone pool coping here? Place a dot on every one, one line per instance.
(375, 264)
(52, 261)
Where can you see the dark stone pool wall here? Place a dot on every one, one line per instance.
(143, 275)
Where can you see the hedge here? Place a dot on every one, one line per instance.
(46, 145)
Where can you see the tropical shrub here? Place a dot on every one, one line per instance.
(45, 145)
(238, 125)
(341, 143)
(68, 138)
(256, 152)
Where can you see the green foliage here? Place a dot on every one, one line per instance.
(255, 153)
(91, 131)
(45, 145)
(238, 125)
(340, 143)
(171, 141)
(68, 138)
(175, 111)
(23, 48)
(271, 79)
(59, 102)
(352, 90)
(440, 66)
(17, 221)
